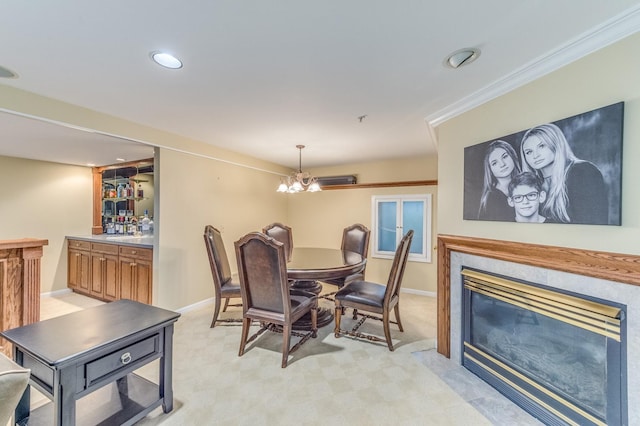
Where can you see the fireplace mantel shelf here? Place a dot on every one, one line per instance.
(624, 268)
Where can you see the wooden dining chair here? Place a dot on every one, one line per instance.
(355, 238)
(266, 296)
(281, 233)
(375, 298)
(224, 287)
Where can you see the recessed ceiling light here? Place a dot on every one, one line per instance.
(167, 60)
(462, 57)
(7, 73)
(120, 159)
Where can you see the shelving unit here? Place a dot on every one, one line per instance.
(107, 205)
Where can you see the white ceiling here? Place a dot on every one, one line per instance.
(260, 77)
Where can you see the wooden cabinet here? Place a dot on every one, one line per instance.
(135, 274)
(104, 271)
(19, 285)
(108, 271)
(79, 265)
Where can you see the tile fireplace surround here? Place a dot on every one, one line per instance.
(608, 276)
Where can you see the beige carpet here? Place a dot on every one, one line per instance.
(327, 381)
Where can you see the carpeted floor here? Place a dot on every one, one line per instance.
(328, 380)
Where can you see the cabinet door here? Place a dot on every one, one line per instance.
(135, 279)
(110, 283)
(104, 276)
(78, 270)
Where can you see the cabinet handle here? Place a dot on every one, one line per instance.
(102, 259)
(125, 358)
(133, 264)
(77, 254)
(134, 252)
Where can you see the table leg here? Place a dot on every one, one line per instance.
(166, 371)
(325, 316)
(64, 403)
(23, 408)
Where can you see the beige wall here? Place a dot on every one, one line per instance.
(194, 192)
(40, 199)
(319, 218)
(603, 78)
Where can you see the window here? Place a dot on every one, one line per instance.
(393, 216)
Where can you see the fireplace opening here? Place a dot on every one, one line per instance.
(559, 355)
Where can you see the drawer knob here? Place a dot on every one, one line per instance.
(125, 358)
(133, 252)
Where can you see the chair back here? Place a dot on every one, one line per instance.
(397, 268)
(262, 267)
(218, 259)
(356, 238)
(281, 233)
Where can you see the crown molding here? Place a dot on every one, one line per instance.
(609, 32)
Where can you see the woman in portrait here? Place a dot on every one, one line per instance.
(575, 188)
(500, 165)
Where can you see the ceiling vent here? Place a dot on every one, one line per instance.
(337, 180)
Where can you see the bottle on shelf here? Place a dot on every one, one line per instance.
(120, 192)
(131, 229)
(140, 192)
(145, 226)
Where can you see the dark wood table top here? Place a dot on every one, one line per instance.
(60, 339)
(310, 263)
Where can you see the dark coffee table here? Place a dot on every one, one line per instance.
(73, 355)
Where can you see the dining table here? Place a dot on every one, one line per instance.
(309, 265)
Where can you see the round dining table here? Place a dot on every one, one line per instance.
(308, 265)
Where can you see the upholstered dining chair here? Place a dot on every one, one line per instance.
(13, 381)
(355, 238)
(266, 296)
(375, 298)
(224, 287)
(281, 233)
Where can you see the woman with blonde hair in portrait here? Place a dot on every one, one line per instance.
(500, 166)
(575, 188)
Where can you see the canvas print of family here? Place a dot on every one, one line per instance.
(568, 171)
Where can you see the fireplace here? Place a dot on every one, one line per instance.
(557, 354)
(596, 275)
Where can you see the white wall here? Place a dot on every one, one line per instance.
(608, 76)
(39, 199)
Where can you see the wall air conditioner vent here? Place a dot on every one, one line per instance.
(337, 180)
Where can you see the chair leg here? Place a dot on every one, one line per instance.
(246, 323)
(387, 332)
(216, 311)
(314, 322)
(397, 311)
(355, 314)
(226, 304)
(286, 340)
(337, 316)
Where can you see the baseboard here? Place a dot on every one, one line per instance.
(196, 305)
(56, 293)
(418, 292)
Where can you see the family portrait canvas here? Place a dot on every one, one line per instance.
(566, 171)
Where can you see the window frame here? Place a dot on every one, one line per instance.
(425, 256)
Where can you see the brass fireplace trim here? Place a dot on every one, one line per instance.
(589, 315)
(526, 379)
(623, 268)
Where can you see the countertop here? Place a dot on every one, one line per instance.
(123, 240)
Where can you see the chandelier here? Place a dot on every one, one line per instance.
(299, 181)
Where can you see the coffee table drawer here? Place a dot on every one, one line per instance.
(126, 357)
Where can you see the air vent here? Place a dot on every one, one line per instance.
(337, 180)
